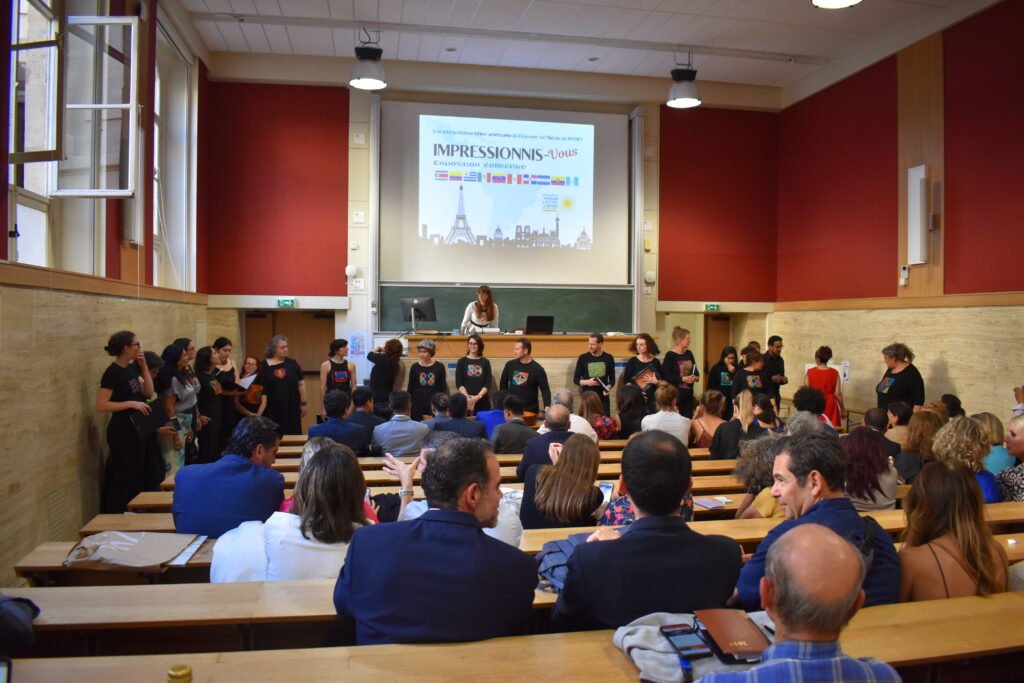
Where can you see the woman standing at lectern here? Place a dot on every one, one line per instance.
(481, 313)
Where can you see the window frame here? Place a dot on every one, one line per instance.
(56, 113)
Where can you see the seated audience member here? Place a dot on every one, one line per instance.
(362, 410)
(312, 447)
(918, 450)
(214, 498)
(508, 528)
(577, 423)
(811, 590)
(878, 420)
(657, 565)
(871, 477)
(458, 406)
(621, 512)
(338, 429)
(1011, 480)
(725, 445)
(940, 409)
(496, 415)
(563, 494)
(1018, 396)
(965, 441)
(811, 400)
(400, 436)
(438, 410)
(765, 419)
(632, 405)
(948, 550)
(754, 469)
(899, 414)
(809, 477)
(667, 419)
(592, 410)
(312, 542)
(511, 436)
(998, 458)
(953, 406)
(536, 450)
(709, 416)
(440, 578)
(804, 421)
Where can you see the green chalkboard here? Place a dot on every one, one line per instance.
(575, 310)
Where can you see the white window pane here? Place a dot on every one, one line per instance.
(95, 140)
(32, 127)
(31, 236)
(34, 25)
(98, 64)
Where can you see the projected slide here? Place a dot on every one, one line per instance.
(490, 185)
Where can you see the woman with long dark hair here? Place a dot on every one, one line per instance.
(209, 404)
(227, 375)
(948, 550)
(871, 478)
(386, 375)
(480, 313)
(720, 377)
(632, 406)
(177, 396)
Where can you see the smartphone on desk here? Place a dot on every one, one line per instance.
(685, 641)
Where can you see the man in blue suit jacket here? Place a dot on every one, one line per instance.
(336, 404)
(536, 451)
(658, 564)
(440, 578)
(240, 487)
(458, 406)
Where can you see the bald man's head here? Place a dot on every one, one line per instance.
(812, 583)
(557, 418)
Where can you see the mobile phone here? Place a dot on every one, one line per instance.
(607, 488)
(175, 423)
(685, 641)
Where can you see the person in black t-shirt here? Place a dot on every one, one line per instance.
(134, 465)
(680, 368)
(901, 381)
(387, 368)
(523, 377)
(426, 378)
(775, 368)
(473, 375)
(337, 372)
(209, 404)
(751, 377)
(644, 369)
(595, 371)
(283, 387)
(720, 377)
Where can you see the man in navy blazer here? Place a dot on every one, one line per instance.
(339, 430)
(458, 406)
(241, 487)
(658, 564)
(362, 410)
(440, 578)
(536, 451)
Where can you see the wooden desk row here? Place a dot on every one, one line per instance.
(292, 441)
(928, 632)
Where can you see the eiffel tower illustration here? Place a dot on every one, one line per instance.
(460, 231)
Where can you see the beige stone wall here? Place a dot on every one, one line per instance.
(51, 345)
(970, 352)
(748, 327)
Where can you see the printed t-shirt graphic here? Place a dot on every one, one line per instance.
(596, 369)
(136, 385)
(685, 366)
(725, 378)
(754, 382)
(280, 373)
(341, 376)
(474, 370)
(520, 378)
(886, 384)
(426, 379)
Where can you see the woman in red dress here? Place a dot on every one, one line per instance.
(827, 381)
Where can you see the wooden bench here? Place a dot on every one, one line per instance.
(291, 464)
(294, 449)
(906, 635)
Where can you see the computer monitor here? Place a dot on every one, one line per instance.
(418, 309)
(540, 324)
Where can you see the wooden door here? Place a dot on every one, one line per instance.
(716, 338)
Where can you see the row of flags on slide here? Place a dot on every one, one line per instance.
(507, 178)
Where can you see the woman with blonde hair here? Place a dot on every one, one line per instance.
(312, 542)
(563, 494)
(667, 419)
(948, 549)
(725, 444)
(965, 441)
(918, 449)
(1011, 480)
(998, 458)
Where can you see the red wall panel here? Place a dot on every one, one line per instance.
(838, 192)
(718, 174)
(277, 178)
(984, 98)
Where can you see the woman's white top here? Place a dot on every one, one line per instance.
(668, 421)
(274, 550)
(471, 323)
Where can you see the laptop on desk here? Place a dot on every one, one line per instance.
(540, 324)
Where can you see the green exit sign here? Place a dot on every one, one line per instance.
(712, 307)
(286, 303)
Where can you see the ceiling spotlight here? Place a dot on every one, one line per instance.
(683, 93)
(834, 4)
(368, 74)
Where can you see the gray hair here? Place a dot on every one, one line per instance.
(563, 397)
(427, 345)
(796, 608)
(272, 346)
(557, 419)
(804, 421)
(899, 351)
(312, 447)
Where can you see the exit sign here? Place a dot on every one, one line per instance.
(286, 303)
(712, 307)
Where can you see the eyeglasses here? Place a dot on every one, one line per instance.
(136, 344)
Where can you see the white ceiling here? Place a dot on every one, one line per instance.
(759, 42)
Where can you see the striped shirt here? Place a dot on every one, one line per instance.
(808, 662)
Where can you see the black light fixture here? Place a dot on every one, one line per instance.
(683, 93)
(368, 74)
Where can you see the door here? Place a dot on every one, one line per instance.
(716, 338)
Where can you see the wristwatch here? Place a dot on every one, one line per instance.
(405, 492)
